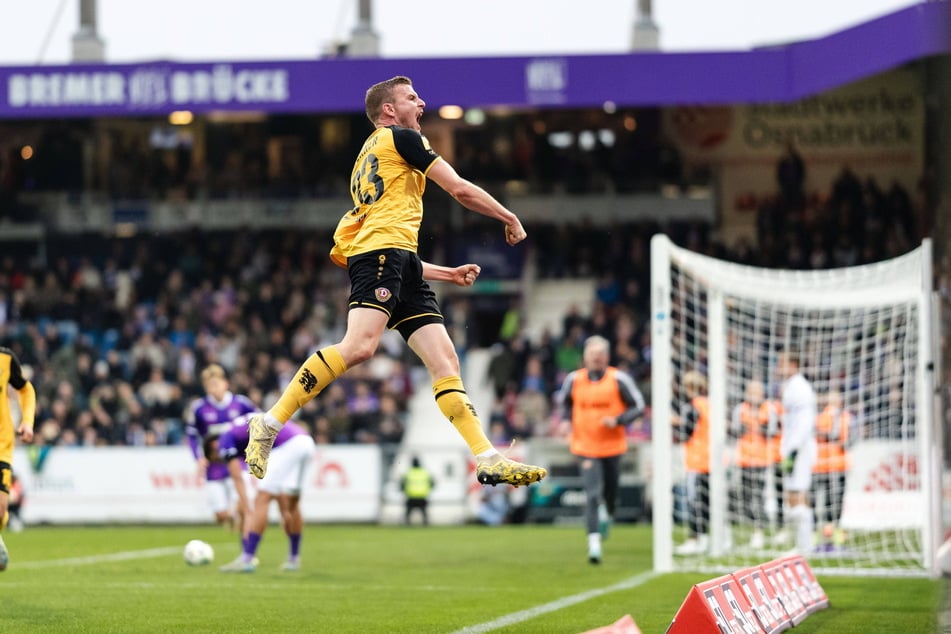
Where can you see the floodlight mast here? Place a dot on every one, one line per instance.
(87, 45)
(364, 41)
(645, 35)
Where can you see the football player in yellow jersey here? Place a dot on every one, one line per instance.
(376, 241)
(12, 374)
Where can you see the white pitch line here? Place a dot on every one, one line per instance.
(557, 604)
(98, 559)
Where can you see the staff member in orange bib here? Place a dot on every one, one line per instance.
(755, 423)
(693, 424)
(832, 464)
(602, 400)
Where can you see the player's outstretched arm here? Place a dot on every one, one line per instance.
(473, 197)
(463, 275)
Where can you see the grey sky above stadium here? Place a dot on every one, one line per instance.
(40, 31)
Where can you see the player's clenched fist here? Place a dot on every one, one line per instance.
(466, 274)
(514, 233)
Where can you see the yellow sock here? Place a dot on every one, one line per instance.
(454, 403)
(316, 373)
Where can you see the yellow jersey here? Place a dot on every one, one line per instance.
(387, 185)
(10, 374)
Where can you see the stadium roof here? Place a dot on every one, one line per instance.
(774, 74)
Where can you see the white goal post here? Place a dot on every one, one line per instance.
(864, 336)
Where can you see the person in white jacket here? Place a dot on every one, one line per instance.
(798, 447)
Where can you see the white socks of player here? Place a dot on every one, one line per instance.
(802, 516)
(272, 422)
(594, 541)
(594, 547)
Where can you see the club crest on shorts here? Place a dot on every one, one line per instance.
(382, 294)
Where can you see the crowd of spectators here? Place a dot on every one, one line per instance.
(853, 223)
(292, 157)
(116, 330)
(858, 221)
(115, 333)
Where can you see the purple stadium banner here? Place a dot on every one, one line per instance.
(777, 74)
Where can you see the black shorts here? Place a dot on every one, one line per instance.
(391, 280)
(416, 503)
(6, 478)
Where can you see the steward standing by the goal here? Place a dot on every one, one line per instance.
(601, 401)
(693, 429)
(833, 431)
(798, 446)
(755, 423)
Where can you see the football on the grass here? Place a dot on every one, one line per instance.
(198, 553)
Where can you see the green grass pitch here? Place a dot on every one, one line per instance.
(384, 579)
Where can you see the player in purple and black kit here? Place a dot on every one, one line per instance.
(206, 419)
(292, 451)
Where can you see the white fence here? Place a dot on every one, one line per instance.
(161, 484)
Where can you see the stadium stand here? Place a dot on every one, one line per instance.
(115, 320)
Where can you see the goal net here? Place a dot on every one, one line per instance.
(864, 339)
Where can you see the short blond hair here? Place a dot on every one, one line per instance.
(213, 371)
(381, 93)
(695, 380)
